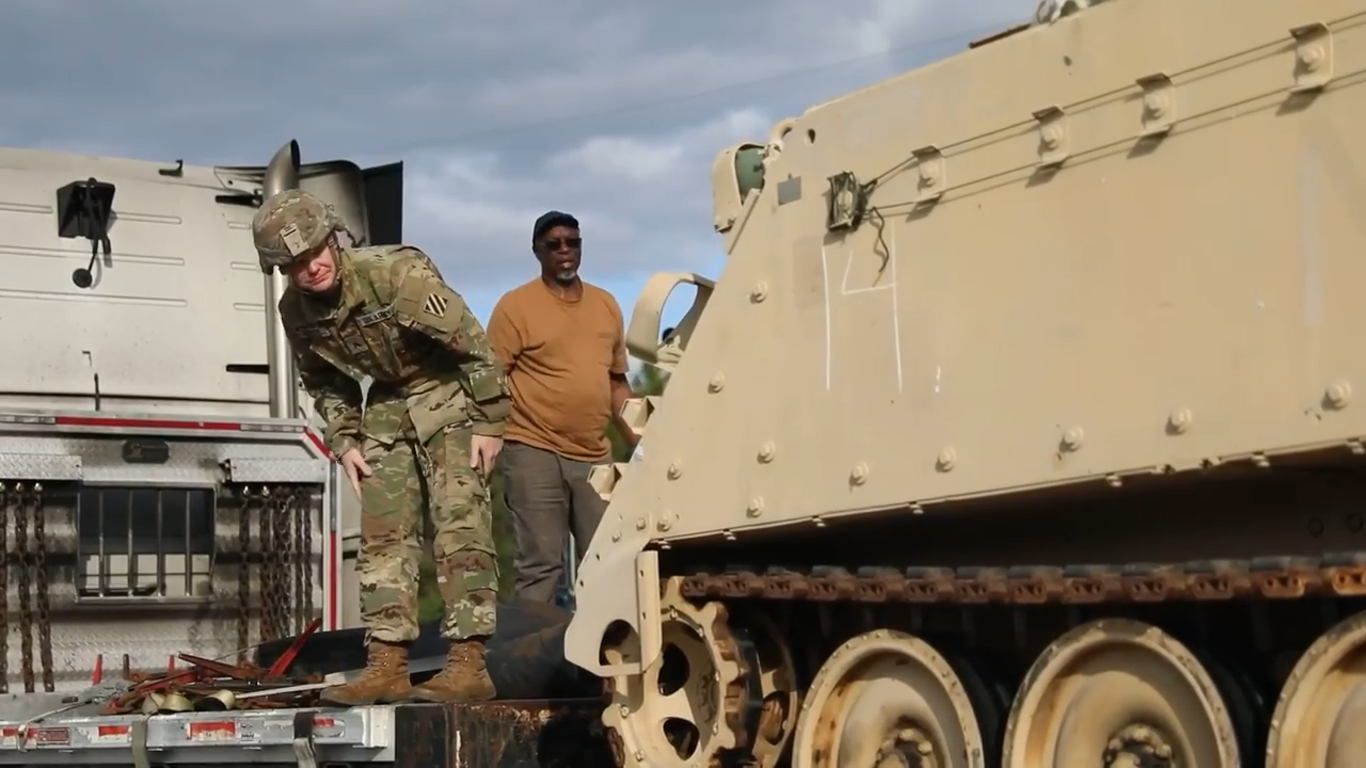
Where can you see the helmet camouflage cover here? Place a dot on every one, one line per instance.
(289, 225)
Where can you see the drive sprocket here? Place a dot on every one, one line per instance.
(704, 695)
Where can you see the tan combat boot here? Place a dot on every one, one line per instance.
(465, 677)
(383, 681)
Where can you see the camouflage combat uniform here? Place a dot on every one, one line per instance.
(434, 384)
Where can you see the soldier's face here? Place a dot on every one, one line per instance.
(560, 250)
(315, 272)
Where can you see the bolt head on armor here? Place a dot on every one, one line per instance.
(289, 226)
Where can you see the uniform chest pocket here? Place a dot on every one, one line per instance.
(324, 341)
(315, 333)
(372, 339)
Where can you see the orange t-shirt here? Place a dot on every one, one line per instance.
(558, 355)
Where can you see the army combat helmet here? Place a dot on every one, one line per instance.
(290, 224)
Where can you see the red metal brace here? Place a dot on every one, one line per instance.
(286, 658)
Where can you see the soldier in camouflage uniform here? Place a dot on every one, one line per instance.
(424, 446)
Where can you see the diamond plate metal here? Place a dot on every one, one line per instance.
(152, 637)
(192, 462)
(277, 470)
(202, 618)
(40, 466)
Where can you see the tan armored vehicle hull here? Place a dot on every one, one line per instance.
(1021, 427)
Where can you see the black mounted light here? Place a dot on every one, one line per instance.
(85, 209)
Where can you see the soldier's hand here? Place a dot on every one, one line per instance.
(483, 452)
(355, 467)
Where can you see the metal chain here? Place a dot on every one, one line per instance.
(304, 499)
(279, 520)
(25, 599)
(40, 573)
(267, 573)
(271, 566)
(5, 502)
(273, 580)
(296, 559)
(244, 574)
(285, 566)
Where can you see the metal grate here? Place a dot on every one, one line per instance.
(145, 544)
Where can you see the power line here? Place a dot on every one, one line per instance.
(919, 45)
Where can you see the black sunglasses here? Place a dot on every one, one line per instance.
(553, 244)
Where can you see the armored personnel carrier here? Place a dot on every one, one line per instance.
(1020, 427)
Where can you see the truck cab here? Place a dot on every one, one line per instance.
(163, 484)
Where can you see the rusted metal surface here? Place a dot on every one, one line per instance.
(1338, 574)
(301, 500)
(207, 678)
(244, 574)
(40, 575)
(274, 580)
(4, 588)
(221, 668)
(502, 734)
(282, 556)
(25, 596)
(23, 503)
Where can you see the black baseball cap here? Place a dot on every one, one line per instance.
(552, 219)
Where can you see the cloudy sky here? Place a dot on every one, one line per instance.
(609, 109)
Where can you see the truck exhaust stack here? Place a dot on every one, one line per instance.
(281, 174)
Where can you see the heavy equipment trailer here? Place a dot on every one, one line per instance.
(496, 734)
(549, 712)
(1020, 427)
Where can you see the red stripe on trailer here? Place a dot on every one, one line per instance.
(119, 422)
(318, 443)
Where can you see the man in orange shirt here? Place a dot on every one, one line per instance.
(562, 342)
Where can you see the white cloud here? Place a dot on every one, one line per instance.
(620, 157)
(643, 203)
(611, 109)
(651, 162)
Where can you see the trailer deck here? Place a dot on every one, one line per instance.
(495, 734)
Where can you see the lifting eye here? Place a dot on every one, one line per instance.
(85, 209)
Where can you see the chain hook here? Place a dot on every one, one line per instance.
(7, 502)
(40, 574)
(25, 589)
(244, 572)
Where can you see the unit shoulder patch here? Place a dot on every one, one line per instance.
(435, 305)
